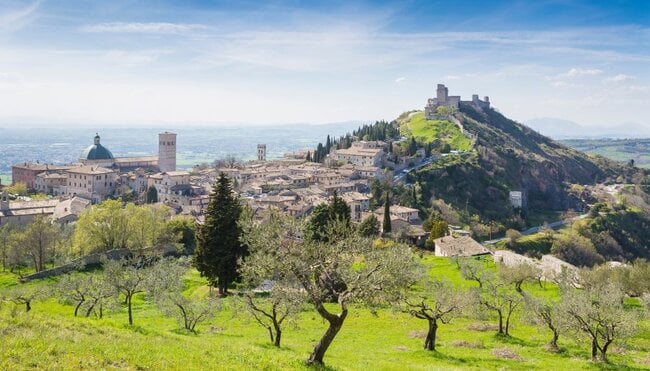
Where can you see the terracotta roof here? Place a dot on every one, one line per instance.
(92, 170)
(460, 246)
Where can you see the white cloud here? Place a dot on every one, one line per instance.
(147, 28)
(451, 77)
(400, 79)
(575, 72)
(620, 78)
(564, 84)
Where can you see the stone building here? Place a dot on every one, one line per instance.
(100, 156)
(167, 151)
(22, 212)
(366, 154)
(27, 172)
(261, 152)
(170, 183)
(517, 199)
(458, 246)
(51, 183)
(91, 182)
(358, 203)
(443, 99)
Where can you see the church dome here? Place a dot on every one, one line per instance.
(96, 152)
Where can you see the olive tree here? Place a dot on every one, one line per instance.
(73, 289)
(347, 265)
(546, 312)
(165, 284)
(128, 279)
(437, 302)
(598, 313)
(492, 293)
(517, 274)
(23, 295)
(86, 291)
(272, 310)
(499, 298)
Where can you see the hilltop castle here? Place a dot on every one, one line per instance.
(444, 99)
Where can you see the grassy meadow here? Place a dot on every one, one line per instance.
(430, 130)
(50, 337)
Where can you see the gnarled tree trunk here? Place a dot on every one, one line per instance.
(335, 324)
(430, 340)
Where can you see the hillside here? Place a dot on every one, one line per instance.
(510, 156)
(430, 131)
(50, 337)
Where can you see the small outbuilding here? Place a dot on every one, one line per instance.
(458, 246)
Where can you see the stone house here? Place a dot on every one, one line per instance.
(458, 246)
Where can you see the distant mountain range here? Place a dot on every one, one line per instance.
(558, 128)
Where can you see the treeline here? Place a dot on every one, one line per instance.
(106, 226)
(380, 130)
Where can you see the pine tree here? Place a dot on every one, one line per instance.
(218, 246)
(324, 215)
(369, 227)
(386, 227)
(338, 209)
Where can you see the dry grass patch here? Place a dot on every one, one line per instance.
(505, 353)
(417, 334)
(483, 327)
(468, 344)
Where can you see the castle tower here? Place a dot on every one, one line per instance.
(261, 152)
(167, 151)
(441, 94)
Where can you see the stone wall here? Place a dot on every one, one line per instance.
(78, 264)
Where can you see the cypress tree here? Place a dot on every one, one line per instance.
(386, 227)
(152, 195)
(218, 246)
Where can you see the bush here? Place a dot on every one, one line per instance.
(576, 250)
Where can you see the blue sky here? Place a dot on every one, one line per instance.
(157, 62)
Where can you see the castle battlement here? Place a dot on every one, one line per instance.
(443, 99)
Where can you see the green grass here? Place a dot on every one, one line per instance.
(50, 337)
(430, 130)
(535, 245)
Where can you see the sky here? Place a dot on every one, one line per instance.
(267, 62)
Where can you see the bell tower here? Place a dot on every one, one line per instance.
(167, 151)
(261, 152)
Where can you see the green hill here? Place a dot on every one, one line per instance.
(428, 131)
(512, 157)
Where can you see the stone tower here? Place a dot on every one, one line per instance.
(167, 151)
(261, 152)
(442, 93)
